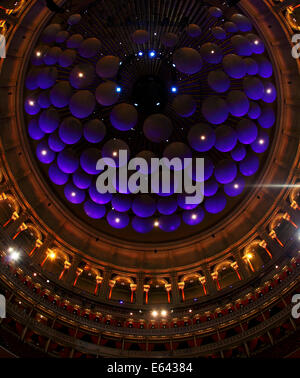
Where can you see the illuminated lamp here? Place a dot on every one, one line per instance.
(193, 217)
(44, 154)
(117, 220)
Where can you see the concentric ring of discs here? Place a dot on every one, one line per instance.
(79, 110)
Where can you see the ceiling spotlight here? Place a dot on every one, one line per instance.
(118, 89)
(194, 216)
(154, 313)
(163, 313)
(52, 255)
(73, 194)
(203, 137)
(31, 102)
(156, 223)
(44, 152)
(256, 42)
(117, 220)
(152, 54)
(269, 90)
(236, 186)
(261, 141)
(80, 74)
(14, 256)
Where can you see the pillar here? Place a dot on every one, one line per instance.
(212, 289)
(71, 274)
(39, 254)
(105, 284)
(175, 289)
(140, 288)
(241, 264)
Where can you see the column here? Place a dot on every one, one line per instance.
(39, 255)
(209, 281)
(241, 264)
(175, 289)
(71, 274)
(140, 288)
(105, 284)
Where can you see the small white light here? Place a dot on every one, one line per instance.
(174, 89)
(80, 74)
(44, 152)
(47, 281)
(118, 89)
(194, 216)
(38, 53)
(256, 42)
(158, 103)
(10, 249)
(236, 186)
(163, 313)
(73, 194)
(14, 256)
(152, 54)
(115, 153)
(135, 104)
(203, 137)
(212, 51)
(261, 141)
(31, 102)
(141, 53)
(156, 223)
(190, 310)
(269, 90)
(117, 220)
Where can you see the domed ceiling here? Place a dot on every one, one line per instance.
(158, 83)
